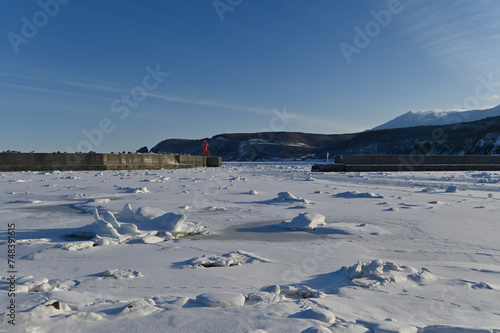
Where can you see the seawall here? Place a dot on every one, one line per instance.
(13, 161)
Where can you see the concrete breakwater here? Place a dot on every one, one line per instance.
(14, 161)
(367, 163)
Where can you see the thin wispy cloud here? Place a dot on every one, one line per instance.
(99, 87)
(53, 78)
(458, 34)
(293, 116)
(109, 88)
(49, 90)
(59, 85)
(211, 103)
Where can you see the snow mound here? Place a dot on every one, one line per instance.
(305, 221)
(477, 285)
(107, 230)
(278, 292)
(121, 273)
(127, 214)
(253, 192)
(50, 308)
(286, 196)
(140, 308)
(126, 189)
(169, 222)
(24, 201)
(233, 178)
(320, 314)
(77, 245)
(44, 285)
(227, 260)
(488, 181)
(264, 297)
(151, 218)
(302, 291)
(356, 194)
(221, 299)
(214, 209)
(289, 197)
(100, 227)
(150, 240)
(159, 180)
(452, 189)
(190, 228)
(376, 272)
(144, 214)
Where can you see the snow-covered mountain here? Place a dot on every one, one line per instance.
(424, 118)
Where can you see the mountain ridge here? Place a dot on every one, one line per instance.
(479, 137)
(424, 118)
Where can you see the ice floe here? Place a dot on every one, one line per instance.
(127, 189)
(121, 273)
(140, 308)
(305, 221)
(30, 284)
(221, 299)
(356, 194)
(377, 272)
(289, 198)
(152, 225)
(271, 292)
(452, 189)
(320, 314)
(227, 260)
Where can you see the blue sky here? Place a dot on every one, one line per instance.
(117, 75)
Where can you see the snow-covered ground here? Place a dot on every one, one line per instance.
(251, 247)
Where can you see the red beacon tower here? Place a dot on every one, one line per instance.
(205, 148)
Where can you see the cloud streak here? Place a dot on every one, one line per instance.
(113, 93)
(211, 103)
(461, 35)
(49, 90)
